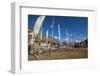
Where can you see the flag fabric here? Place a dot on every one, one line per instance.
(52, 22)
(59, 28)
(59, 31)
(52, 26)
(41, 34)
(47, 34)
(38, 25)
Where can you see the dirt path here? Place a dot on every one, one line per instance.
(65, 54)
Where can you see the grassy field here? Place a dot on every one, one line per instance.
(75, 53)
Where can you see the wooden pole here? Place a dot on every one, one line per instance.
(52, 27)
(59, 34)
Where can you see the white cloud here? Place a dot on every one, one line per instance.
(67, 39)
(56, 37)
(77, 40)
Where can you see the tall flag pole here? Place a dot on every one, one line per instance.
(47, 34)
(59, 28)
(59, 32)
(37, 26)
(67, 35)
(81, 39)
(52, 26)
(41, 34)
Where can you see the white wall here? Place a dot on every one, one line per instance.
(5, 33)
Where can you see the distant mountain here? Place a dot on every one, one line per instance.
(81, 44)
(55, 40)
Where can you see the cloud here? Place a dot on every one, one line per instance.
(77, 40)
(56, 37)
(67, 39)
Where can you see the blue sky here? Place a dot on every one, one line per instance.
(74, 26)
